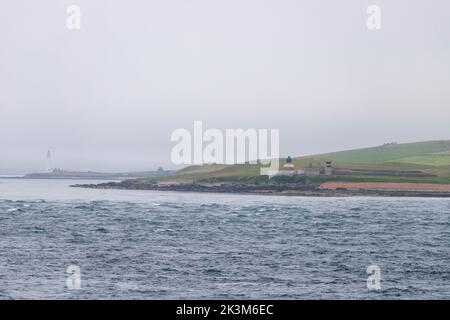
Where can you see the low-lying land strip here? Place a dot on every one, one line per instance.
(412, 169)
(334, 185)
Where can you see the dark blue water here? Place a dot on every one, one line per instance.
(156, 245)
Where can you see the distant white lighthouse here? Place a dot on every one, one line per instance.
(49, 162)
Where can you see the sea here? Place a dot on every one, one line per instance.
(60, 242)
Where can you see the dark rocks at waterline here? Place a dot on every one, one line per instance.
(199, 187)
(290, 189)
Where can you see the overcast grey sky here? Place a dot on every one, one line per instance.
(108, 96)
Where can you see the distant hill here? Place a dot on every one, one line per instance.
(433, 153)
(432, 159)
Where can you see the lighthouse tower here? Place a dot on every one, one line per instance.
(49, 162)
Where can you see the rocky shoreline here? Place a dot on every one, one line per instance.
(286, 189)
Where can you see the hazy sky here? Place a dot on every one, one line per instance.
(108, 96)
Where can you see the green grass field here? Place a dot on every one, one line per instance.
(428, 157)
(432, 160)
(390, 153)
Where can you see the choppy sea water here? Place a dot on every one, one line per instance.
(163, 245)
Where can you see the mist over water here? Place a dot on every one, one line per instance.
(145, 244)
(108, 96)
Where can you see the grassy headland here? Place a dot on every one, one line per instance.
(430, 158)
(392, 164)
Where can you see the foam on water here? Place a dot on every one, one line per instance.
(138, 244)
